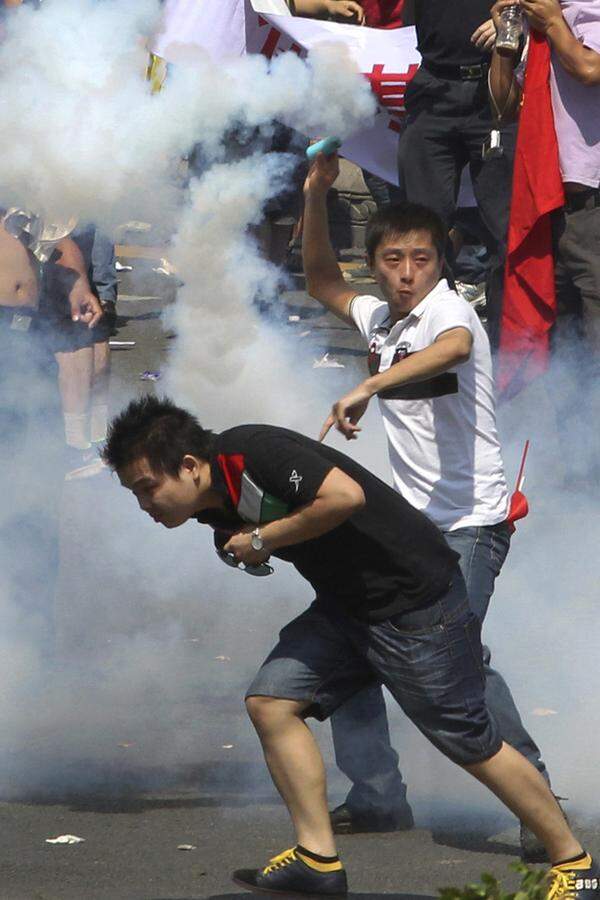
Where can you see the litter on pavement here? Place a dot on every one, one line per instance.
(65, 839)
(121, 345)
(327, 362)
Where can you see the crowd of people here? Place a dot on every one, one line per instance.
(403, 575)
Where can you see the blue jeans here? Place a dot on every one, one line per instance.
(361, 737)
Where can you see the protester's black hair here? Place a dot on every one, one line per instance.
(402, 218)
(156, 429)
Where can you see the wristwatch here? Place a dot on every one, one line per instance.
(256, 540)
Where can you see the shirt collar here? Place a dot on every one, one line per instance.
(440, 288)
(217, 516)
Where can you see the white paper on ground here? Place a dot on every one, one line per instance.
(65, 839)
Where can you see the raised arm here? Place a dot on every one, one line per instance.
(581, 62)
(324, 279)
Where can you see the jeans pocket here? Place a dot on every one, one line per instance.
(429, 620)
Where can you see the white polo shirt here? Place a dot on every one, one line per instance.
(442, 437)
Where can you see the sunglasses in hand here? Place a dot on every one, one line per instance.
(260, 569)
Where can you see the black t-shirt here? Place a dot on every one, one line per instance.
(386, 558)
(444, 29)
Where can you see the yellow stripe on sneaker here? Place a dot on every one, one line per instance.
(581, 864)
(320, 866)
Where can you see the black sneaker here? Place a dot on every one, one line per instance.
(532, 849)
(288, 874)
(575, 881)
(347, 821)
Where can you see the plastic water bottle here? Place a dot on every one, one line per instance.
(510, 30)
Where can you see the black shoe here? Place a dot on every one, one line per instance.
(575, 881)
(347, 821)
(532, 849)
(288, 874)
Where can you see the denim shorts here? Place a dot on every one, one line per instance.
(430, 659)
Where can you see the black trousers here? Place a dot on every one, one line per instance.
(447, 123)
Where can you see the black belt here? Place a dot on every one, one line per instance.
(582, 200)
(458, 73)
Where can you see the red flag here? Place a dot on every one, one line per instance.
(519, 507)
(529, 307)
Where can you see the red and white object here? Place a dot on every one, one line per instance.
(519, 507)
(231, 28)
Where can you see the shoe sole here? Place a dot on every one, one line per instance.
(300, 894)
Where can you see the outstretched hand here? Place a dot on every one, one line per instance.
(322, 174)
(347, 412)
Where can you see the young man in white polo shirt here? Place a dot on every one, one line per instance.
(430, 366)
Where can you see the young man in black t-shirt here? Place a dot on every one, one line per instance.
(390, 605)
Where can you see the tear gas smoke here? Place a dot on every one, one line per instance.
(142, 628)
(88, 140)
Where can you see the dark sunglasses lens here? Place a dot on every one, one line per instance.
(260, 570)
(227, 558)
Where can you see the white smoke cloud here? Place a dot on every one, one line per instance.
(88, 140)
(83, 136)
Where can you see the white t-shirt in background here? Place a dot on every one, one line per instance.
(442, 437)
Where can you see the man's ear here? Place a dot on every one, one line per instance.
(189, 464)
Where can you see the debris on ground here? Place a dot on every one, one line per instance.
(123, 268)
(134, 225)
(165, 268)
(150, 376)
(542, 711)
(472, 293)
(186, 847)
(223, 658)
(327, 362)
(65, 839)
(361, 275)
(293, 318)
(121, 345)
(227, 746)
